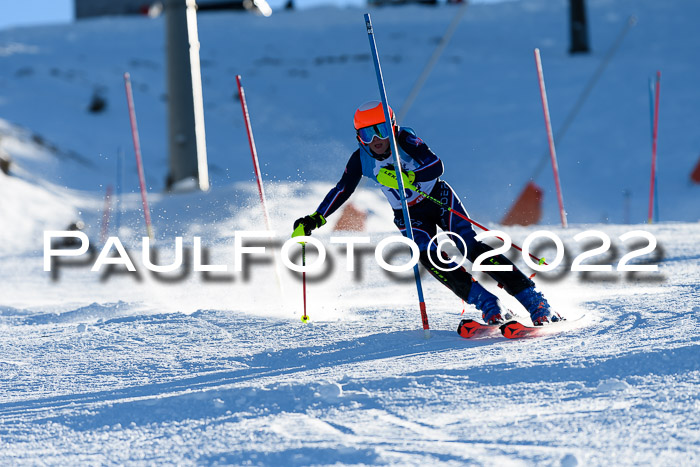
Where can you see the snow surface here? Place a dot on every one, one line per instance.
(188, 368)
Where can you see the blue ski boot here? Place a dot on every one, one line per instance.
(491, 309)
(535, 303)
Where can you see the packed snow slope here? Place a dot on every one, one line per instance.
(187, 367)
(306, 71)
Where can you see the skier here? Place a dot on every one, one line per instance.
(422, 171)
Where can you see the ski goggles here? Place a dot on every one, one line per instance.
(380, 130)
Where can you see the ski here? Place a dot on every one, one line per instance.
(518, 330)
(468, 328)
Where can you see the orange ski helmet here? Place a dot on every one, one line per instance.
(369, 121)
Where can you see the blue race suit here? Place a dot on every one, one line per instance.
(425, 215)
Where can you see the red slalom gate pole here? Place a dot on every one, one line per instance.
(253, 150)
(137, 151)
(653, 145)
(258, 179)
(550, 137)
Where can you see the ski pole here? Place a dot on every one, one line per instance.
(305, 317)
(299, 231)
(471, 221)
(397, 164)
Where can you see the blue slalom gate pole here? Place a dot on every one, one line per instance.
(397, 165)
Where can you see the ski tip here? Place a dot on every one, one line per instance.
(467, 328)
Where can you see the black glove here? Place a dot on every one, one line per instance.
(304, 225)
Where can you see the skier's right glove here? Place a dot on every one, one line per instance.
(304, 225)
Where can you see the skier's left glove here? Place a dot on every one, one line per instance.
(304, 225)
(387, 177)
